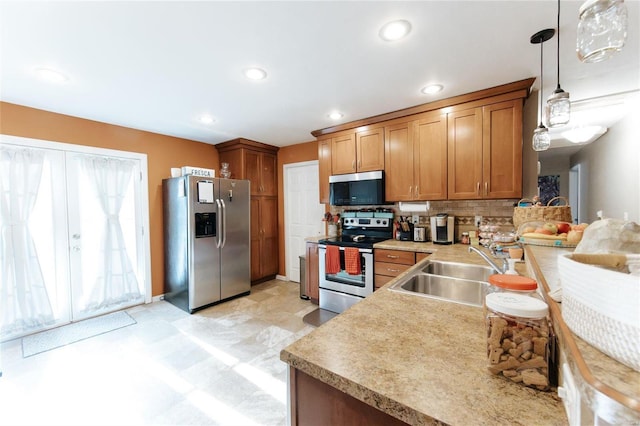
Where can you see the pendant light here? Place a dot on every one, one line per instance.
(602, 29)
(541, 138)
(558, 104)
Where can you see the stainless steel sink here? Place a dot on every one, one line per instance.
(451, 281)
(466, 292)
(459, 270)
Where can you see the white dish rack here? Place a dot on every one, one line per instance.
(603, 307)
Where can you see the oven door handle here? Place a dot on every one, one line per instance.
(360, 249)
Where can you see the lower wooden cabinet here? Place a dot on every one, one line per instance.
(313, 402)
(388, 264)
(264, 238)
(312, 272)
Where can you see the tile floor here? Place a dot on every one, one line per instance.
(220, 366)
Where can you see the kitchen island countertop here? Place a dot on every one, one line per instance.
(418, 359)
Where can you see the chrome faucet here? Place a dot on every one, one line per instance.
(505, 264)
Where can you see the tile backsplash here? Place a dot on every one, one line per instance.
(498, 212)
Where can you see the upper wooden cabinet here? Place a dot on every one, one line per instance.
(261, 168)
(370, 150)
(360, 151)
(416, 159)
(464, 147)
(485, 152)
(502, 149)
(254, 161)
(465, 153)
(324, 168)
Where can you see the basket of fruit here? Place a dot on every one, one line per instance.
(531, 210)
(551, 233)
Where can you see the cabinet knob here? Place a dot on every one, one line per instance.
(393, 270)
(410, 190)
(478, 188)
(392, 257)
(486, 188)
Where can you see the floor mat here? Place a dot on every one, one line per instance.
(61, 336)
(318, 317)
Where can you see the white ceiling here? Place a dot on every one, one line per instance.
(158, 66)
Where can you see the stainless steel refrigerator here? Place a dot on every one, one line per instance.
(206, 240)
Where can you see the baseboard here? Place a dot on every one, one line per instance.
(157, 298)
(282, 278)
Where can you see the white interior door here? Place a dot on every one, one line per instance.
(303, 212)
(73, 240)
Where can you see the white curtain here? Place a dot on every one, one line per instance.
(116, 281)
(24, 302)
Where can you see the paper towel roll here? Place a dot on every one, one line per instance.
(413, 207)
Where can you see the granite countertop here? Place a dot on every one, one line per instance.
(418, 359)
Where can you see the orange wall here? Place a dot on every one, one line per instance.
(307, 151)
(163, 152)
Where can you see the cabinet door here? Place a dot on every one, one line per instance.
(269, 246)
(370, 150)
(269, 174)
(398, 158)
(502, 150)
(343, 154)
(312, 271)
(324, 169)
(256, 234)
(264, 237)
(252, 171)
(430, 157)
(464, 143)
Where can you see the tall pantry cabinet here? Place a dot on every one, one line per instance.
(257, 162)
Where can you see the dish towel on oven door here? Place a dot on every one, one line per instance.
(332, 260)
(352, 260)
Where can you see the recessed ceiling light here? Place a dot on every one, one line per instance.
(336, 115)
(395, 30)
(51, 75)
(255, 73)
(206, 119)
(431, 89)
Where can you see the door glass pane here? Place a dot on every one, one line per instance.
(105, 234)
(34, 290)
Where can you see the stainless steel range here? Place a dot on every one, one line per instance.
(346, 261)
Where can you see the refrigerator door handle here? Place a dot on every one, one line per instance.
(224, 223)
(219, 230)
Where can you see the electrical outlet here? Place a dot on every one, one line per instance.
(415, 219)
(478, 221)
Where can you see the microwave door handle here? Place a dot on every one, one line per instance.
(219, 219)
(224, 223)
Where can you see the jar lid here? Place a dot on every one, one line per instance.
(465, 234)
(517, 305)
(513, 282)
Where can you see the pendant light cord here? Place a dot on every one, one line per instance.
(541, 80)
(558, 63)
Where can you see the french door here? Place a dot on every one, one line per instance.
(72, 241)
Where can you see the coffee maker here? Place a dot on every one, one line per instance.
(442, 228)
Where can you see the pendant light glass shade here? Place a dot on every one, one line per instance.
(558, 108)
(558, 104)
(541, 138)
(602, 29)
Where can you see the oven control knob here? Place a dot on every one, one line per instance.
(378, 221)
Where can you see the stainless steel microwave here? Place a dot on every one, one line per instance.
(357, 189)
